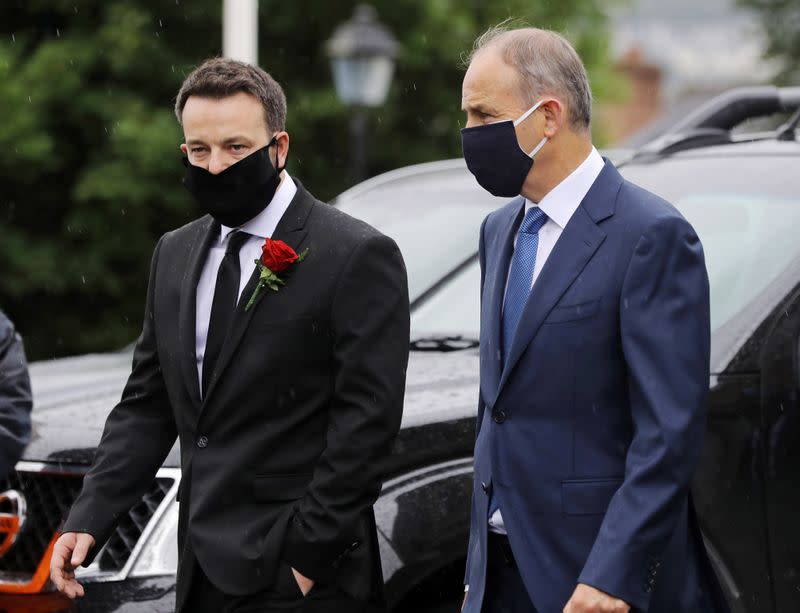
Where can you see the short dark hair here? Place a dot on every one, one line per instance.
(221, 77)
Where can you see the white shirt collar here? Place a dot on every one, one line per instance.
(563, 200)
(263, 225)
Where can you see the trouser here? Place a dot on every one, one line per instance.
(283, 596)
(505, 592)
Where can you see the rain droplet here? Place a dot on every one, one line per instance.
(83, 279)
(13, 38)
(58, 33)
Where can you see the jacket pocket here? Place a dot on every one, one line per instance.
(588, 496)
(281, 488)
(574, 312)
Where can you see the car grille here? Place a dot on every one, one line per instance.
(130, 528)
(49, 496)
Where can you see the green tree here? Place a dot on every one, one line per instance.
(781, 21)
(90, 174)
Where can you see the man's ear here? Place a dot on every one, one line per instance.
(282, 147)
(184, 149)
(553, 116)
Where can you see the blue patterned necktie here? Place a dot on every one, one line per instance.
(519, 287)
(519, 279)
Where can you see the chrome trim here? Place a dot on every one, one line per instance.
(92, 573)
(20, 509)
(26, 466)
(424, 474)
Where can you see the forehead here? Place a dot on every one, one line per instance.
(217, 118)
(490, 81)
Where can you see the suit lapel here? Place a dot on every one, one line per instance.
(187, 313)
(291, 230)
(575, 247)
(495, 290)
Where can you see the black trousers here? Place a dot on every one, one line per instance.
(505, 592)
(284, 596)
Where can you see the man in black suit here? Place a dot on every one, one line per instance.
(283, 381)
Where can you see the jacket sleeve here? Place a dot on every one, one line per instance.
(143, 421)
(665, 334)
(370, 320)
(15, 397)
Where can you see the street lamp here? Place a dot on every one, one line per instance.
(362, 53)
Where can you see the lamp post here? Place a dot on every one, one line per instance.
(240, 30)
(362, 53)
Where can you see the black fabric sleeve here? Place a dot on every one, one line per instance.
(15, 397)
(370, 318)
(138, 434)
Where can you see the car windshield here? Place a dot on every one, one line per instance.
(745, 210)
(434, 216)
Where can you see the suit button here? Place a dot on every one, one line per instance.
(499, 417)
(354, 545)
(202, 442)
(484, 487)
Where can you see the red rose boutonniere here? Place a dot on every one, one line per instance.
(276, 258)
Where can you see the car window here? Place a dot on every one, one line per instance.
(745, 211)
(434, 217)
(454, 310)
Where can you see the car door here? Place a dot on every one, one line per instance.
(780, 390)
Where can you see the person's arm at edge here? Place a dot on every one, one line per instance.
(15, 397)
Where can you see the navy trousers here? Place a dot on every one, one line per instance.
(505, 592)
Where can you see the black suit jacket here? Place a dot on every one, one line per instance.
(281, 458)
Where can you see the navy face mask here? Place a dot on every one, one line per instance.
(494, 156)
(240, 192)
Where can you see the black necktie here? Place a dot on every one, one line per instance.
(226, 295)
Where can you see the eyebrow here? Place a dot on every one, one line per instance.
(232, 139)
(480, 107)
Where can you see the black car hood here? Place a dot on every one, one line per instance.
(72, 397)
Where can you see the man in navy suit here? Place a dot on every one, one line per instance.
(594, 362)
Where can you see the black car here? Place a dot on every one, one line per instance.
(741, 191)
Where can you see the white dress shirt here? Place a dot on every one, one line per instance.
(559, 205)
(261, 227)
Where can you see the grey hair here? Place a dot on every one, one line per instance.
(221, 77)
(547, 65)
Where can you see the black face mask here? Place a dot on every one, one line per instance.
(494, 156)
(240, 192)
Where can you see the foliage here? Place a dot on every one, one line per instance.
(781, 21)
(90, 174)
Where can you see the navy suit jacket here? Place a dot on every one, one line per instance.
(590, 431)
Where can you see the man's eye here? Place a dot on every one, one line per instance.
(197, 150)
(237, 148)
